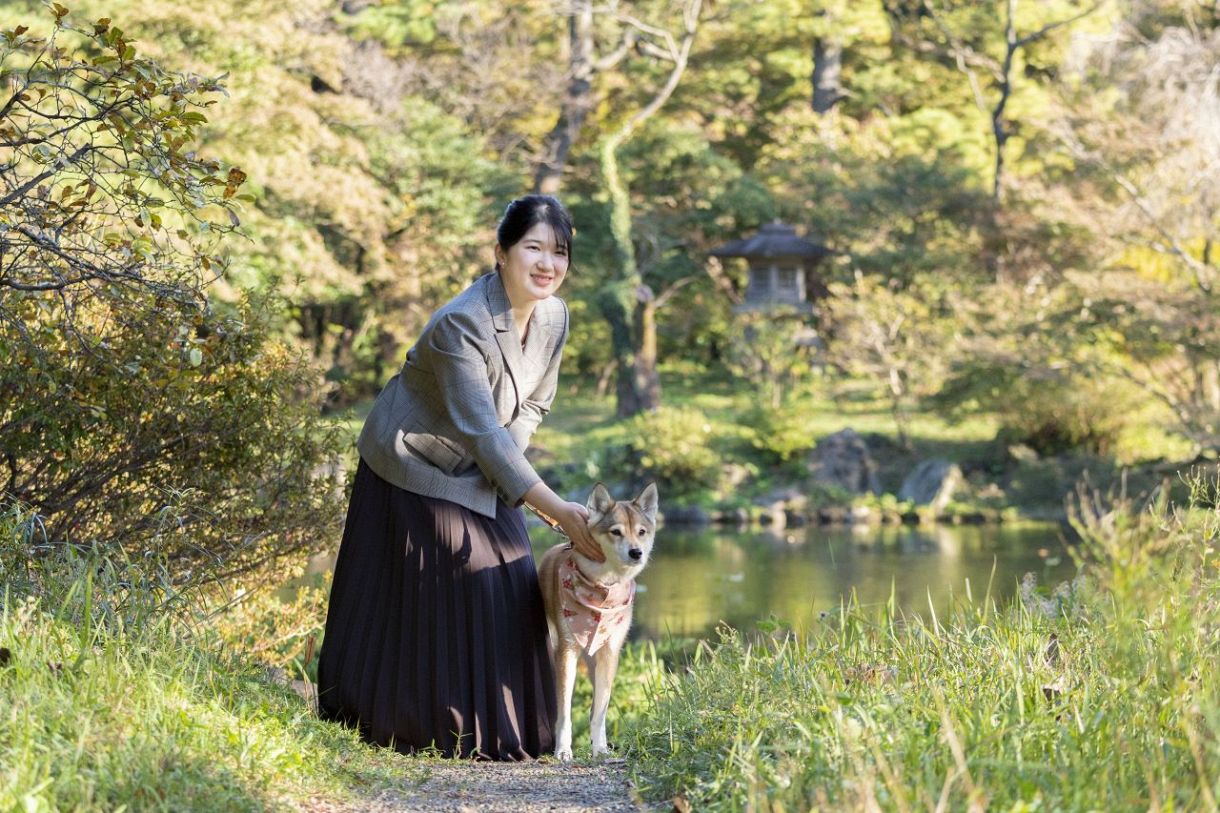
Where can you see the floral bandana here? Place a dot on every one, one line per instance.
(592, 611)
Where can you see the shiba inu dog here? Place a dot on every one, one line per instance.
(589, 604)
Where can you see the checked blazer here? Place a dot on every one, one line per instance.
(456, 419)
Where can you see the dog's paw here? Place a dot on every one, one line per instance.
(563, 754)
(602, 753)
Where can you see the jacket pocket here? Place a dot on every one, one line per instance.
(439, 451)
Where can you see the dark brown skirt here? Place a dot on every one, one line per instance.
(435, 633)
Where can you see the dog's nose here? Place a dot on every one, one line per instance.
(635, 553)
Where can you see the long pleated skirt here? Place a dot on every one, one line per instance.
(435, 632)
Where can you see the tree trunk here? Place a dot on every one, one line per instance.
(577, 101)
(827, 67)
(614, 304)
(627, 303)
(637, 384)
(647, 381)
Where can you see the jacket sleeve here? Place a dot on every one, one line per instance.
(460, 367)
(538, 402)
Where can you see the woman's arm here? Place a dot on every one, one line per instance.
(460, 368)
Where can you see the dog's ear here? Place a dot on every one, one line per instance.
(647, 502)
(600, 502)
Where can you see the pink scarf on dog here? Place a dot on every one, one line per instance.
(592, 611)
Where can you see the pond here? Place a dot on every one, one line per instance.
(699, 578)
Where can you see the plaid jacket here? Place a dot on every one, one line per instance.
(455, 421)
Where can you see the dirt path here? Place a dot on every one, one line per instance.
(464, 786)
(467, 787)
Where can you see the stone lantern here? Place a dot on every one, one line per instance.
(782, 268)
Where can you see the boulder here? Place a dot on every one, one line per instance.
(843, 460)
(931, 483)
(782, 507)
(685, 515)
(734, 516)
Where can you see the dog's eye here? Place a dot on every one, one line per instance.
(641, 532)
(616, 532)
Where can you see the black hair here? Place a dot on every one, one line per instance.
(525, 213)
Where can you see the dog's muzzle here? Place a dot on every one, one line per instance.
(635, 554)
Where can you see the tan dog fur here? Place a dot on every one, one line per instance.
(620, 527)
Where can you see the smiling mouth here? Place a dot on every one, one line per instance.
(543, 279)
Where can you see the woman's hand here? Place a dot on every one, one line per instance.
(575, 523)
(573, 519)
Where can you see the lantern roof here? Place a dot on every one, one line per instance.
(773, 240)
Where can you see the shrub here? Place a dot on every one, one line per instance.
(135, 416)
(772, 350)
(1051, 411)
(782, 434)
(671, 446)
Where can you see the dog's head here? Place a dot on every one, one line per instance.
(624, 529)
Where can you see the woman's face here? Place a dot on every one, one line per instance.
(534, 267)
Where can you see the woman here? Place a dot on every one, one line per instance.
(435, 633)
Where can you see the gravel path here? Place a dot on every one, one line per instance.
(466, 787)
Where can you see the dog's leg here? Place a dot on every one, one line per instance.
(605, 664)
(565, 680)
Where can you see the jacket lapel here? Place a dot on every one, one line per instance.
(524, 367)
(506, 336)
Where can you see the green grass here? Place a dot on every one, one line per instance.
(115, 696)
(879, 711)
(121, 695)
(581, 419)
(581, 441)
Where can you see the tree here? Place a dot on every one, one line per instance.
(1148, 184)
(135, 414)
(897, 337)
(627, 301)
(584, 64)
(772, 350)
(969, 60)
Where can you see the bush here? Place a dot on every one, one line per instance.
(1051, 411)
(671, 446)
(782, 434)
(136, 417)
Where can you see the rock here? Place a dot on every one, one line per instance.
(931, 483)
(796, 519)
(686, 515)
(772, 518)
(862, 515)
(832, 515)
(843, 460)
(739, 517)
(782, 507)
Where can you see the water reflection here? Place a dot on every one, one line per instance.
(698, 578)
